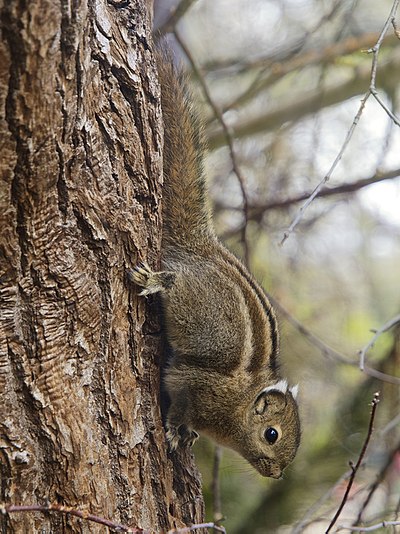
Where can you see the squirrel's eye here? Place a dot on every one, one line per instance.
(271, 435)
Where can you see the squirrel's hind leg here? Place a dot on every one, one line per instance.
(151, 281)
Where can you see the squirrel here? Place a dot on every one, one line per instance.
(223, 378)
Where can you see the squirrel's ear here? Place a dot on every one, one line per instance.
(261, 403)
(261, 400)
(294, 391)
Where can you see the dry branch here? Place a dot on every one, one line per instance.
(355, 468)
(387, 326)
(256, 211)
(325, 349)
(216, 486)
(176, 14)
(86, 516)
(312, 102)
(383, 524)
(371, 91)
(326, 56)
(380, 477)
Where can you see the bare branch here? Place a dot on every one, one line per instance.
(306, 519)
(375, 51)
(279, 69)
(355, 468)
(380, 477)
(387, 326)
(118, 527)
(215, 485)
(216, 527)
(383, 524)
(394, 118)
(325, 349)
(327, 176)
(256, 211)
(177, 13)
(312, 102)
(371, 91)
(382, 376)
(10, 509)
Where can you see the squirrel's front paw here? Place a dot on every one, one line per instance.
(181, 435)
(151, 281)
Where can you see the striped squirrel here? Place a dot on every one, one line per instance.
(223, 379)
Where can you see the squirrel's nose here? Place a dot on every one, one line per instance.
(276, 472)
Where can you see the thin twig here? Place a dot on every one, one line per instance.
(396, 29)
(387, 326)
(228, 137)
(256, 210)
(176, 14)
(382, 376)
(306, 519)
(394, 118)
(218, 528)
(278, 69)
(327, 176)
(215, 485)
(383, 524)
(118, 527)
(325, 349)
(375, 49)
(375, 485)
(356, 467)
(371, 91)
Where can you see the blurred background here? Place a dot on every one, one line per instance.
(279, 84)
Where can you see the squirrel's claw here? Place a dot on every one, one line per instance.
(151, 281)
(181, 436)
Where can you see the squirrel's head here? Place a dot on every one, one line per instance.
(272, 430)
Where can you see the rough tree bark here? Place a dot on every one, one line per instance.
(81, 179)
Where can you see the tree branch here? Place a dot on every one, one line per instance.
(176, 14)
(355, 468)
(325, 349)
(328, 175)
(380, 477)
(326, 56)
(383, 524)
(215, 486)
(118, 527)
(314, 101)
(371, 91)
(387, 326)
(256, 211)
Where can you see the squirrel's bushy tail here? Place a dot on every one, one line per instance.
(187, 219)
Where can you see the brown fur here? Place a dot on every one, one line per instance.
(219, 323)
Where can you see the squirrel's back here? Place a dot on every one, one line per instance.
(187, 220)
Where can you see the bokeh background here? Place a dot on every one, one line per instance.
(285, 79)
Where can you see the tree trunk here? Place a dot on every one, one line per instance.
(81, 177)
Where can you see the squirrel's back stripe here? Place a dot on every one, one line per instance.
(269, 312)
